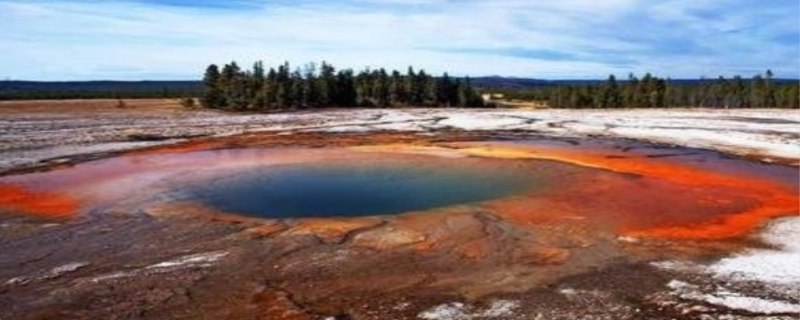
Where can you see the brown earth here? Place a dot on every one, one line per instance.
(28, 107)
(516, 258)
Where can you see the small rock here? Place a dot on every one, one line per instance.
(64, 269)
(18, 281)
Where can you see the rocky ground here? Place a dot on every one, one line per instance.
(452, 264)
(31, 132)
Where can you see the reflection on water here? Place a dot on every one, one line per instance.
(351, 190)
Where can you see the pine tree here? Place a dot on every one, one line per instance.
(443, 91)
(769, 90)
(738, 93)
(382, 88)
(271, 89)
(345, 89)
(758, 92)
(411, 87)
(397, 93)
(613, 96)
(285, 93)
(256, 91)
(213, 96)
(327, 87)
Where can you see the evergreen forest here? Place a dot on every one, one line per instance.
(321, 86)
(282, 88)
(760, 91)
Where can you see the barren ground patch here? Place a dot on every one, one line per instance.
(87, 231)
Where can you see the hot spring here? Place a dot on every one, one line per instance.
(308, 190)
(644, 192)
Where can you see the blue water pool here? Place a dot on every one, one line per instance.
(307, 190)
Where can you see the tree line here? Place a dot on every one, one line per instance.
(315, 86)
(760, 91)
(30, 90)
(281, 88)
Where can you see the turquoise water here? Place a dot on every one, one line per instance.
(333, 191)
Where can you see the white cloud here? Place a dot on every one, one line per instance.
(68, 39)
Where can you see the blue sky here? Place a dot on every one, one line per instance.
(177, 39)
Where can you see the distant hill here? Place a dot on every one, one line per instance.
(511, 83)
(497, 82)
(13, 89)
